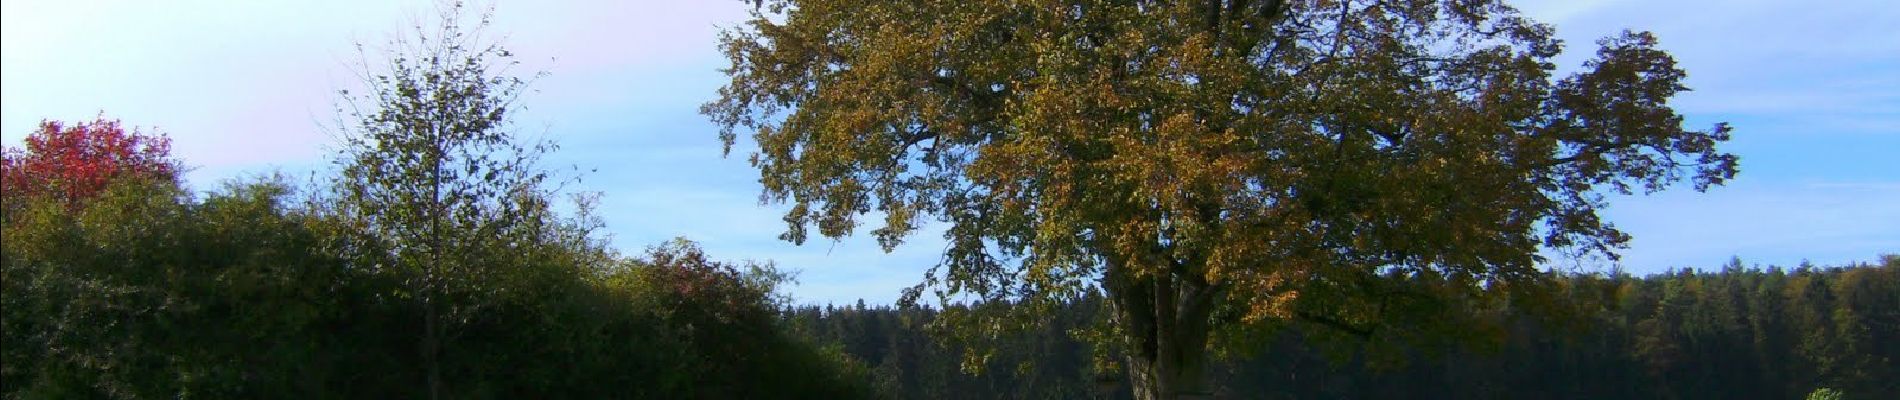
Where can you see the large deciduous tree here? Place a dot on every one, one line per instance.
(446, 193)
(1209, 165)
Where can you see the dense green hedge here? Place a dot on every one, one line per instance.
(149, 292)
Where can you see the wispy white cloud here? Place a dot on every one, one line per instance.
(1745, 45)
(1812, 90)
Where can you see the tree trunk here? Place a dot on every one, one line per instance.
(432, 275)
(1164, 322)
(431, 351)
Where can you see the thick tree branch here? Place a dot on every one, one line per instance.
(1362, 332)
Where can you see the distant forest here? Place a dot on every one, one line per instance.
(1737, 333)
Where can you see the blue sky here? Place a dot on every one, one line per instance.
(246, 87)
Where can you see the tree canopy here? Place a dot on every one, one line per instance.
(76, 162)
(1208, 164)
(443, 189)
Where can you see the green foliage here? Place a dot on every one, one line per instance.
(1213, 168)
(721, 323)
(908, 361)
(1824, 394)
(150, 293)
(448, 201)
(146, 293)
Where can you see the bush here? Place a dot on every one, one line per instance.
(147, 292)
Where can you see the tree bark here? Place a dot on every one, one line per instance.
(431, 349)
(1165, 322)
(432, 274)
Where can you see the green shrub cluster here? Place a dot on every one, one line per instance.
(147, 291)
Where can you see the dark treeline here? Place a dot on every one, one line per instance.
(1767, 333)
(149, 292)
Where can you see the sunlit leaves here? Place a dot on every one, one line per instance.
(76, 162)
(1346, 137)
(1347, 163)
(446, 198)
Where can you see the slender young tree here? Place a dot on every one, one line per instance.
(1210, 166)
(432, 171)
